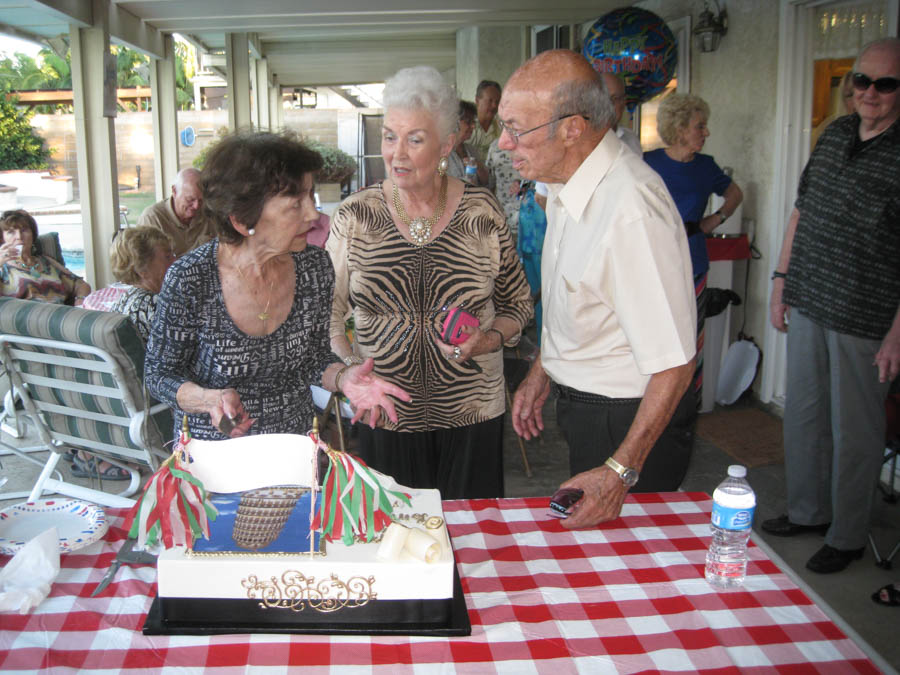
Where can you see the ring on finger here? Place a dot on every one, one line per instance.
(456, 353)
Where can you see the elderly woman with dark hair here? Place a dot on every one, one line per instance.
(140, 256)
(241, 327)
(27, 274)
(406, 252)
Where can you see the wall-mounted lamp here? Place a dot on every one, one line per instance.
(710, 28)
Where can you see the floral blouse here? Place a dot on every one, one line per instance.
(46, 280)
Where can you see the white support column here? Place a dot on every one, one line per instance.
(165, 120)
(276, 106)
(95, 142)
(263, 100)
(237, 68)
(254, 93)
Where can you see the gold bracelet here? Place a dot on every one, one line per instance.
(337, 378)
(502, 339)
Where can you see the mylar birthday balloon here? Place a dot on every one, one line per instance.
(636, 45)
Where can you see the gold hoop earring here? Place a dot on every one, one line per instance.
(443, 165)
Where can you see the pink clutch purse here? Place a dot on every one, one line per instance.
(456, 319)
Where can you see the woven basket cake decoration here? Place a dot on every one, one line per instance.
(262, 515)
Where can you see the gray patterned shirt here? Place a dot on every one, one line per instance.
(844, 271)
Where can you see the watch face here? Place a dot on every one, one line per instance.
(630, 477)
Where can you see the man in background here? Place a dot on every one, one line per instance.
(616, 88)
(486, 131)
(176, 216)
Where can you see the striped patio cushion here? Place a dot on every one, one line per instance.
(111, 332)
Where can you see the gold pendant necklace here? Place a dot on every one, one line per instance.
(420, 228)
(264, 314)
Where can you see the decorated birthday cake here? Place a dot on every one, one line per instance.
(297, 537)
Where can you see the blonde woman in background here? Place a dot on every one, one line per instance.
(140, 256)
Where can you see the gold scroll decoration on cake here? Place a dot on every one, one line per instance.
(296, 591)
(262, 515)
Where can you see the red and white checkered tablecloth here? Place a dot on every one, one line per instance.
(627, 596)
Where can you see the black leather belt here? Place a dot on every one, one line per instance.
(594, 399)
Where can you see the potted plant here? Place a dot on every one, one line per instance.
(337, 168)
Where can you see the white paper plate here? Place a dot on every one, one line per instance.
(79, 523)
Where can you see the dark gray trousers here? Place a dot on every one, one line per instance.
(834, 426)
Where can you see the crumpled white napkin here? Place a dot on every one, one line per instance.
(26, 579)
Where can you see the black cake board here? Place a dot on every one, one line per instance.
(200, 616)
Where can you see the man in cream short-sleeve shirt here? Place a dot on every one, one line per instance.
(619, 315)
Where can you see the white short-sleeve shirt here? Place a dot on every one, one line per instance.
(618, 294)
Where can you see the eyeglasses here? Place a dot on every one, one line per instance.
(883, 85)
(516, 135)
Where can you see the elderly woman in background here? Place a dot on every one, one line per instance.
(406, 252)
(241, 326)
(463, 154)
(691, 178)
(140, 256)
(28, 275)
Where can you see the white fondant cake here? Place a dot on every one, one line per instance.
(259, 546)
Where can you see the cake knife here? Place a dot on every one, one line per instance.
(126, 554)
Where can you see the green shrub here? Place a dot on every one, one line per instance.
(337, 165)
(200, 159)
(20, 145)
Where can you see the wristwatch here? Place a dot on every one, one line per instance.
(628, 476)
(721, 215)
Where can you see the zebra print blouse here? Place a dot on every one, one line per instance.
(399, 295)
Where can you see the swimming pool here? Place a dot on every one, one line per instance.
(74, 260)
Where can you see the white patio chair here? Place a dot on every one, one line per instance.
(79, 375)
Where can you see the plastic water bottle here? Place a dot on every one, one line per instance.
(732, 517)
(471, 170)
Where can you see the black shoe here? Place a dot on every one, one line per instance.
(829, 559)
(782, 527)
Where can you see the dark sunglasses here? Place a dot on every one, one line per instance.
(883, 85)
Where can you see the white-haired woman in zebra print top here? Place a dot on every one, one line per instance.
(405, 252)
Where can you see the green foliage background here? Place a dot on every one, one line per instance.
(20, 145)
(337, 165)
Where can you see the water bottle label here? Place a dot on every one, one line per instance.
(732, 519)
(471, 170)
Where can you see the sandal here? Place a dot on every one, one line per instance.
(87, 468)
(887, 595)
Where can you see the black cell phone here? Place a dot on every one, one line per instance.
(562, 502)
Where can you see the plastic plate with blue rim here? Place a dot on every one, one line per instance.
(78, 523)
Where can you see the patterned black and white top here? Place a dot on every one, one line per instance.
(139, 305)
(400, 293)
(194, 339)
(844, 271)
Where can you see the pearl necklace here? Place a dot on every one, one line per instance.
(420, 228)
(264, 314)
